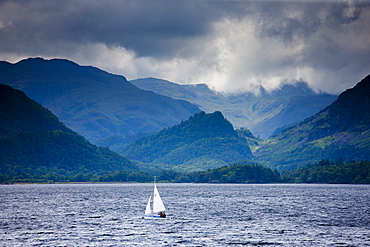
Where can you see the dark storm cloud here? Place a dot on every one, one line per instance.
(150, 28)
(314, 20)
(231, 45)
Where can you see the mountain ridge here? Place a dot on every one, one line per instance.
(93, 102)
(262, 114)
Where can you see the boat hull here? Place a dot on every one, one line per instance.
(154, 217)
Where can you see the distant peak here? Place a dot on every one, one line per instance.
(216, 114)
(152, 79)
(55, 64)
(38, 60)
(32, 59)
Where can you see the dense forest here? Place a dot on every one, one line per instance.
(202, 142)
(237, 173)
(56, 157)
(227, 174)
(325, 171)
(335, 172)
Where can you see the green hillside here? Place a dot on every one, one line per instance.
(202, 142)
(334, 172)
(340, 130)
(92, 102)
(20, 114)
(35, 146)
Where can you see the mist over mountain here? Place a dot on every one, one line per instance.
(92, 102)
(34, 144)
(262, 113)
(202, 142)
(339, 131)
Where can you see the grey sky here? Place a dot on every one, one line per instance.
(230, 45)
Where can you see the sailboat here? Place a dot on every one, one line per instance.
(158, 206)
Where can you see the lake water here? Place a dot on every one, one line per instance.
(198, 215)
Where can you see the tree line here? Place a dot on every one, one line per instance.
(227, 174)
(325, 171)
(334, 172)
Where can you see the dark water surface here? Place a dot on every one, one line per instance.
(199, 215)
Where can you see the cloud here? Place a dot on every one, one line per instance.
(325, 46)
(230, 45)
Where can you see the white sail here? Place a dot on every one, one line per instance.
(157, 201)
(147, 210)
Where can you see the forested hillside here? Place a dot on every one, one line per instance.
(340, 130)
(238, 173)
(35, 146)
(334, 172)
(203, 141)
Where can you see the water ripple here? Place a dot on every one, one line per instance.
(199, 215)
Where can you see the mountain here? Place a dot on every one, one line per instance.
(202, 142)
(262, 113)
(341, 130)
(34, 144)
(92, 102)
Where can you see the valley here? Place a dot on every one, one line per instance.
(261, 113)
(108, 129)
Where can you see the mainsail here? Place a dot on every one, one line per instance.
(157, 201)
